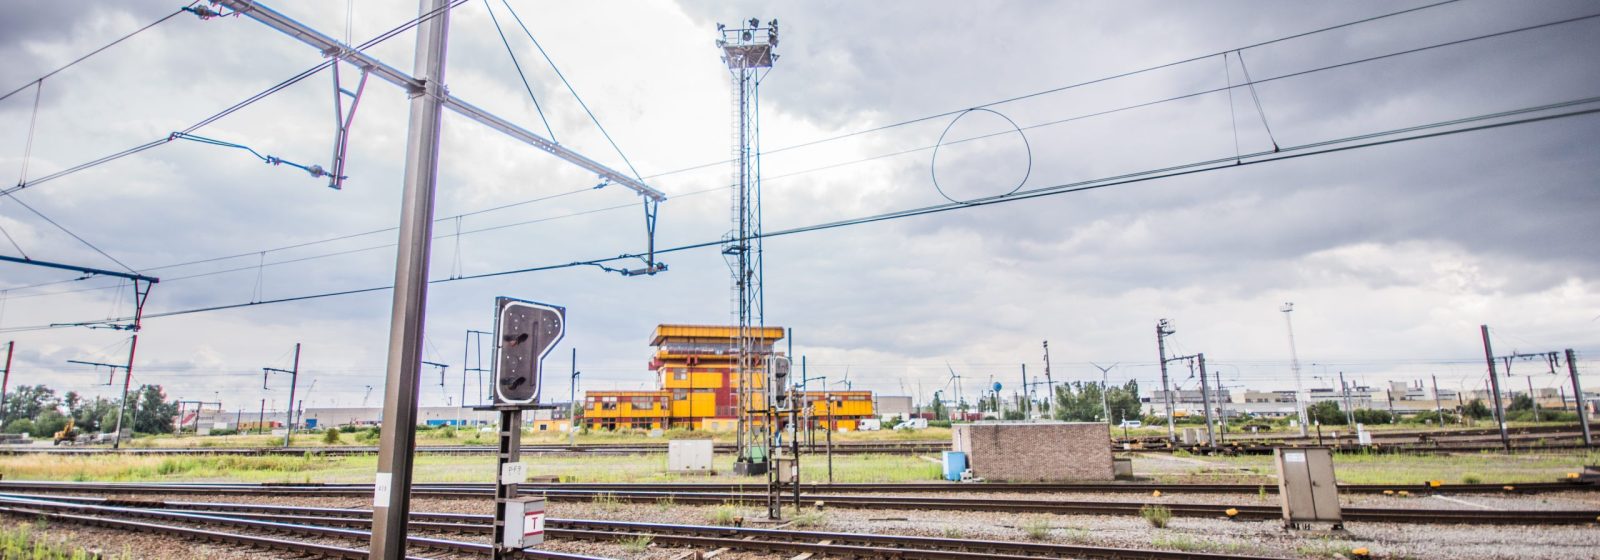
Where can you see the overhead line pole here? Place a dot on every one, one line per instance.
(1162, 330)
(11, 348)
(392, 484)
(1572, 369)
(1494, 383)
(294, 381)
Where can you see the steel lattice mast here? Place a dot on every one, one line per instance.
(747, 50)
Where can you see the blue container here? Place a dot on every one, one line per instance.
(954, 463)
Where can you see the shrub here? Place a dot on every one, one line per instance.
(369, 435)
(22, 426)
(1471, 478)
(1158, 516)
(330, 437)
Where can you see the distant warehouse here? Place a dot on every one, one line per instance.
(697, 387)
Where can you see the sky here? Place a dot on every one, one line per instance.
(1393, 254)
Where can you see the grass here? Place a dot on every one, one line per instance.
(1327, 548)
(1187, 543)
(469, 435)
(1036, 528)
(637, 543)
(1373, 468)
(1157, 515)
(805, 519)
(953, 533)
(19, 542)
(607, 501)
(646, 467)
(725, 514)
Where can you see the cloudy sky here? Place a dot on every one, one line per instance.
(1393, 255)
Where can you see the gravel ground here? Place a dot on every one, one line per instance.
(1264, 538)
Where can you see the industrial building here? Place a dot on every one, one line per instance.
(697, 386)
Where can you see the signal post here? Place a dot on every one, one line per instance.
(524, 333)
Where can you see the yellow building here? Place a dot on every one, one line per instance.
(697, 385)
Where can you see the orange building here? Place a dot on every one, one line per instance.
(697, 386)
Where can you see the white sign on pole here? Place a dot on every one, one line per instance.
(380, 489)
(513, 473)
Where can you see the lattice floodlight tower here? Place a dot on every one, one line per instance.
(747, 49)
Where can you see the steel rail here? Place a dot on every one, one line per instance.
(474, 489)
(856, 448)
(93, 514)
(701, 536)
(1063, 507)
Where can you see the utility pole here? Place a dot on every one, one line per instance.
(572, 403)
(1163, 330)
(1049, 381)
(5, 380)
(1294, 363)
(1222, 412)
(127, 378)
(1577, 396)
(1349, 409)
(1105, 385)
(1494, 383)
(1534, 399)
(294, 381)
(1205, 400)
(1392, 418)
(261, 418)
(1438, 406)
(1026, 401)
(141, 293)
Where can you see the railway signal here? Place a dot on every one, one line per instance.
(525, 331)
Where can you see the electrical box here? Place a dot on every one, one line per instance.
(788, 469)
(524, 522)
(689, 455)
(1307, 487)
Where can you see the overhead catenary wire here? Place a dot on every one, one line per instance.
(1076, 85)
(1261, 80)
(431, 14)
(280, 86)
(1324, 147)
(520, 74)
(1228, 88)
(102, 48)
(69, 232)
(1250, 83)
(570, 89)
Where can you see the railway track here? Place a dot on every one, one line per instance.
(473, 489)
(565, 493)
(354, 450)
(1441, 444)
(333, 523)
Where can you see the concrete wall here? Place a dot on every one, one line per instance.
(1044, 451)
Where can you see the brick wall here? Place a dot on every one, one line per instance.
(1048, 451)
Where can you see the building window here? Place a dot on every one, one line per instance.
(680, 394)
(680, 375)
(608, 406)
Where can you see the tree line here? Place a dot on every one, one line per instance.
(36, 410)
